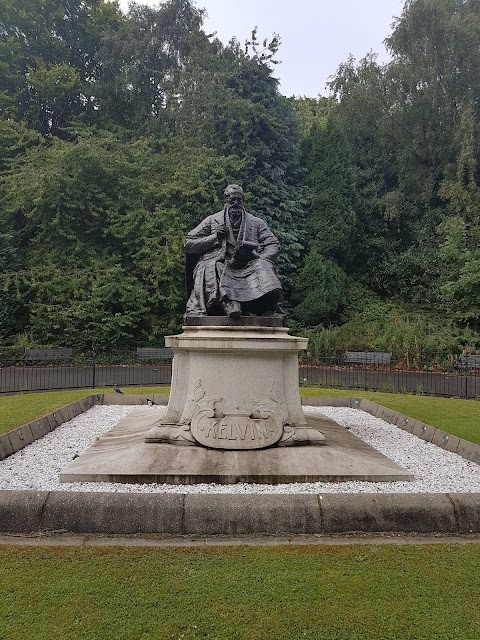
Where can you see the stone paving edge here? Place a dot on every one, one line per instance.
(221, 514)
(42, 512)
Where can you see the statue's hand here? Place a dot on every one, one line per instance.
(221, 231)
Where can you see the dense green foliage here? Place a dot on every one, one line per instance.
(411, 247)
(354, 591)
(119, 132)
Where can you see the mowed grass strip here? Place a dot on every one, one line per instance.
(357, 592)
(24, 407)
(458, 417)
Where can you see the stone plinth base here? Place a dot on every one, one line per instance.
(243, 321)
(122, 455)
(235, 388)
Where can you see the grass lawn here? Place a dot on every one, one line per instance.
(456, 416)
(459, 417)
(23, 407)
(355, 592)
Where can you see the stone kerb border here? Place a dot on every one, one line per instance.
(17, 439)
(45, 512)
(447, 441)
(42, 512)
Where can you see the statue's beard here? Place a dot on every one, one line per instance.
(235, 213)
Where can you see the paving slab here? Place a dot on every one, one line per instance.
(467, 511)
(404, 422)
(445, 441)
(21, 511)
(39, 428)
(123, 456)
(20, 437)
(52, 421)
(368, 406)
(408, 512)
(212, 514)
(98, 512)
(423, 431)
(469, 451)
(6, 448)
(264, 540)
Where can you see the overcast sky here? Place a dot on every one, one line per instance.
(317, 35)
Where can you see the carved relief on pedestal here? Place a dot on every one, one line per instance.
(264, 424)
(274, 404)
(257, 427)
(198, 402)
(181, 433)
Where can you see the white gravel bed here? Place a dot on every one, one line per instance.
(436, 471)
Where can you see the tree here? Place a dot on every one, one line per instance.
(107, 206)
(48, 59)
(331, 188)
(363, 116)
(320, 290)
(142, 59)
(11, 304)
(435, 61)
(66, 223)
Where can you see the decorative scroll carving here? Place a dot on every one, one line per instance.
(181, 434)
(301, 436)
(273, 404)
(198, 402)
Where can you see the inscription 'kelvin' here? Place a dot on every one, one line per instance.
(236, 431)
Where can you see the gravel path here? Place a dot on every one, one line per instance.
(436, 471)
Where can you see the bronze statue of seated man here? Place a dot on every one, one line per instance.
(230, 264)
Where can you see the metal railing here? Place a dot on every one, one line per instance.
(422, 377)
(84, 370)
(130, 368)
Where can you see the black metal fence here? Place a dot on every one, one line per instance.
(131, 368)
(123, 368)
(432, 377)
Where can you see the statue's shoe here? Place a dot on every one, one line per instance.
(171, 434)
(301, 436)
(233, 310)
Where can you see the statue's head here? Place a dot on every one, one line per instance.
(234, 195)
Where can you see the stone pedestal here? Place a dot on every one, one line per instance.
(235, 388)
(123, 455)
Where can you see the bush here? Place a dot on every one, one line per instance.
(412, 338)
